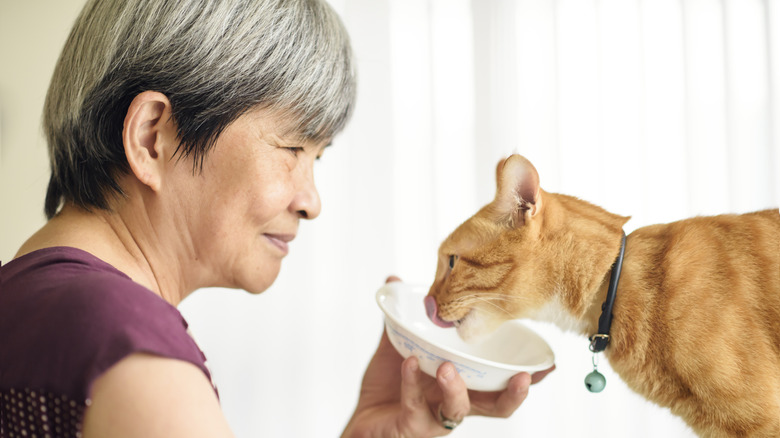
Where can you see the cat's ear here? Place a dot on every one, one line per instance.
(518, 191)
(499, 167)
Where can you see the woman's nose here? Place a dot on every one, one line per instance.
(307, 204)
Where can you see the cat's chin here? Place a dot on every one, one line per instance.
(476, 326)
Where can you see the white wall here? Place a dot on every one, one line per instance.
(657, 109)
(32, 34)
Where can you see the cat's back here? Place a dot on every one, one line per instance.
(757, 233)
(765, 223)
(708, 262)
(727, 236)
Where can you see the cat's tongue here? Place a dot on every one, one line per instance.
(433, 313)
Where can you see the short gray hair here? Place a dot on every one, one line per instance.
(214, 60)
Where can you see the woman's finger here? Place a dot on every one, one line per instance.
(513, 396)
(539, 375)
(413, 402)
(455, 404)
(504, 403)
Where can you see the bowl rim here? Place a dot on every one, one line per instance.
(502, 365)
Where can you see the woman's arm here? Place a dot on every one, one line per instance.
(150, 396)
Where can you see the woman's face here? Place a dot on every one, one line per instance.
(243, 210)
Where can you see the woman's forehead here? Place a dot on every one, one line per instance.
(272, 125)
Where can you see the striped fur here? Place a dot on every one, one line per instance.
(696, 323)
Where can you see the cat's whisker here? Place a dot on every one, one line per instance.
(499, 297)
(494, 298)
(469, 300)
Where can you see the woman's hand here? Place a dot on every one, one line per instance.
(398, 400)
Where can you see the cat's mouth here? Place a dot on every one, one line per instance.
(433, 314)
(472, 326)
(459, 322)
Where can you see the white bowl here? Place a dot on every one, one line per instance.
(485, 366)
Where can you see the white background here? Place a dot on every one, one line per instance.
(658, 109)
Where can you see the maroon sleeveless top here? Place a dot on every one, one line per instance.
(65, 318)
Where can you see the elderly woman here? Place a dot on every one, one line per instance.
(182, 137)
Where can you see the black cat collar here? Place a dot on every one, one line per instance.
(600, 340)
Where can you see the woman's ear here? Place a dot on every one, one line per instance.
(148, 135)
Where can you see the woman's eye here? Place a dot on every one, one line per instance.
(295, 150)
(452, 261)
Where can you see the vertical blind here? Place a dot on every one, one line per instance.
(657, 109)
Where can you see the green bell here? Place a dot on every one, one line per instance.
(595, 381)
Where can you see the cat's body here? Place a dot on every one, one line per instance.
(696, 323)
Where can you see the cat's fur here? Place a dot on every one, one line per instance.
(696, 323)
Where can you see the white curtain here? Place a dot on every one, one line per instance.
(658, 109)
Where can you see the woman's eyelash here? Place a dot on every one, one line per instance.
(294, 150)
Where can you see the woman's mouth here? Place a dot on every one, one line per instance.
(280, 241)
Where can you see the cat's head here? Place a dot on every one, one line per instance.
(499, 250)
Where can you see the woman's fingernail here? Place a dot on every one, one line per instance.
(448, 374)
(413, 366)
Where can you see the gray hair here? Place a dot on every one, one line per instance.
(214, 60)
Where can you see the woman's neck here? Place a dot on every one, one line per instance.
(118, 240)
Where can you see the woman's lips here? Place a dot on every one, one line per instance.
(280, 241)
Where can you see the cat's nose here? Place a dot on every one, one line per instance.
(433, 313)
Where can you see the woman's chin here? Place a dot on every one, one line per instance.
(256, 281)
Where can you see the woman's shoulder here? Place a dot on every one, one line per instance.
(74, 316)
(68, 289)
(73, 278)
(69, 321)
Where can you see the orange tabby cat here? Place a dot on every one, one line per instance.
(696, 322)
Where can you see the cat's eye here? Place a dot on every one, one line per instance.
(452, 260)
